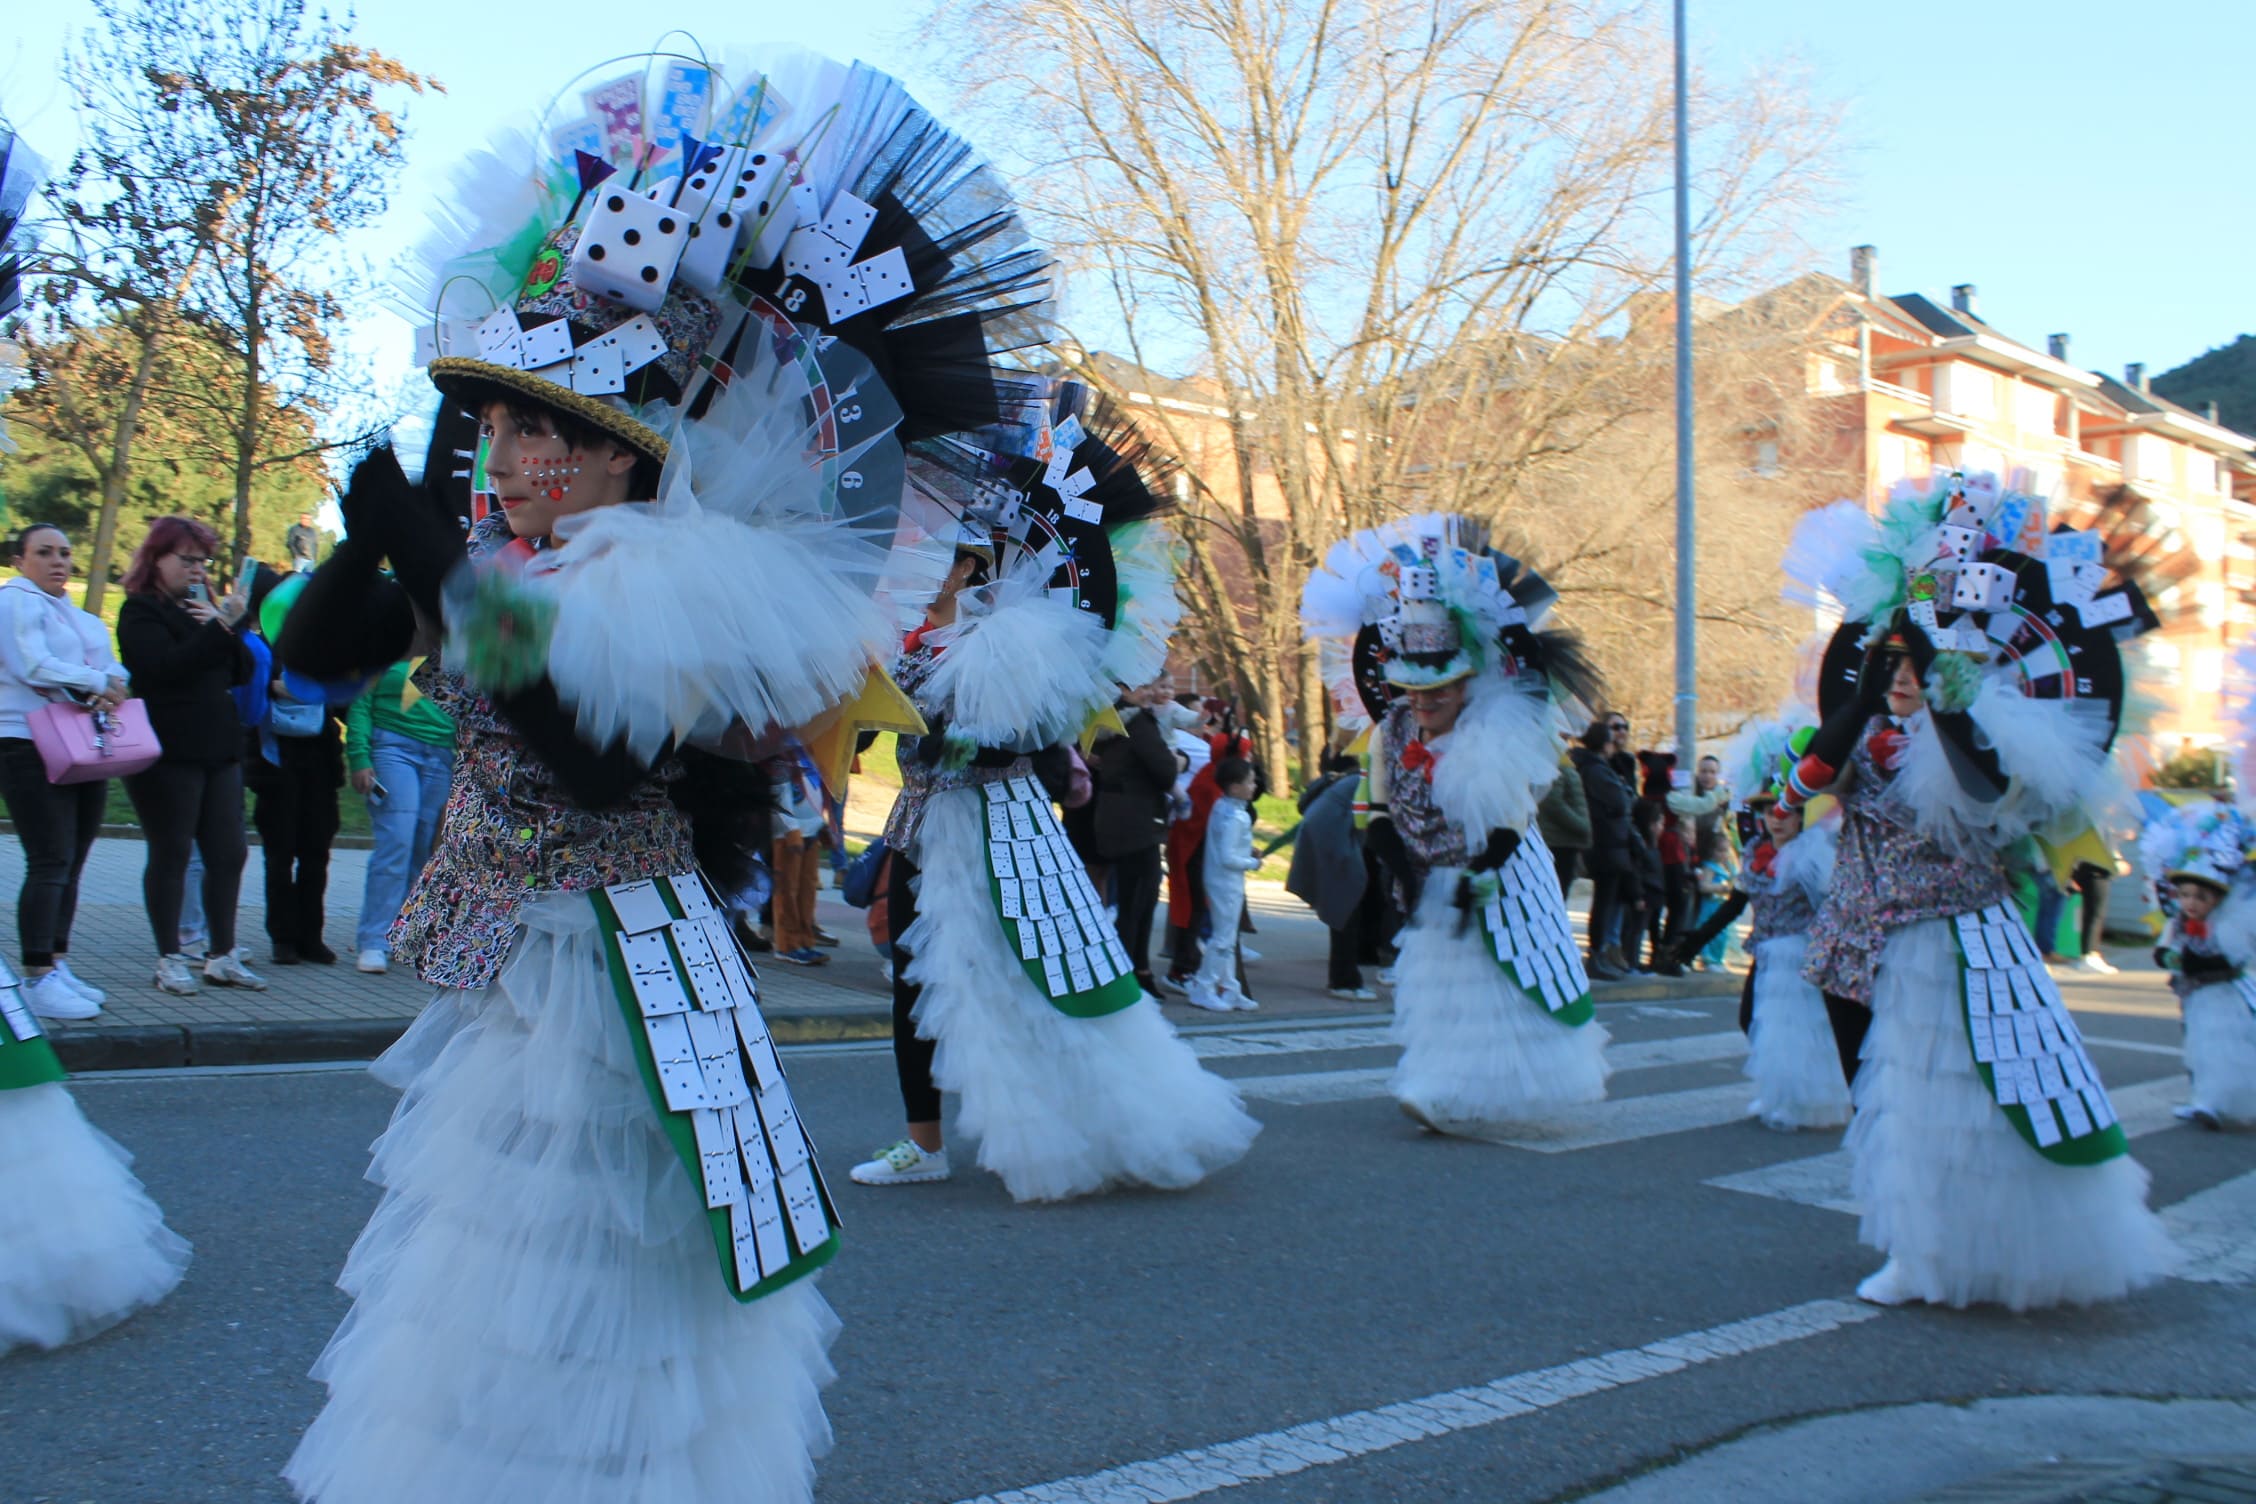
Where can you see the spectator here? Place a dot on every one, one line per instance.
(1642, 916)
(1713, 876)
(293, 764)
(183, 655)
(1328, 873)
(2093, 883)
(1707, 801)
(1563, 820)
(1135, 776)
(1679, 890)
(1612, 868)
(1227, 856)
(50, 652)
(399, 755)
(303, 540)
(1187, 913)
(796, 858)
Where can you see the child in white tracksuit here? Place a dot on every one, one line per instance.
(1229, 857)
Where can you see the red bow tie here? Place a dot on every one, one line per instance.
(1764, 858)
(2195, 929)
(1888, 747)
(1417, 757)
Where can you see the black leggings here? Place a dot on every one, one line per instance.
(2093, 884)
(183, 806)
(295, 810)
(1135, 892)
(912, 1055)
(57, 824)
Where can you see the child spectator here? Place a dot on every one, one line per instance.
(1643, 922)
(1227, 858)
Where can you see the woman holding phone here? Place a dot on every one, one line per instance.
(184, 656)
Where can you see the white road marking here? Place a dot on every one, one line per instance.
(1822, 1180)
(1288, 1042)
(1342, 1438)
(1582, 1127)
(2213, 1230)
(1626, 1118)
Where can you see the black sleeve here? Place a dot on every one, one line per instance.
(1150, 747)
(1726, 912)
(1976, 767)
(1836, 739)
(1502, 842)
(152, 655)
(349, 620)
(596, 778)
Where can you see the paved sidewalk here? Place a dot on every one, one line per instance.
(334, 1012)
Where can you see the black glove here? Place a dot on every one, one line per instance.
(1502, 842)
(1877, 670)
(386, 511)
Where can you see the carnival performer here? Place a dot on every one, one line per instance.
(1790, 1048)
(82, 1246)
(2197, 857)
(1987, 1157)
(1492, 1005)
(678, 572)
(1016, 991)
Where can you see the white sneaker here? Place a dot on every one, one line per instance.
(2093, 961)
(903, 1164)
(1386, 977)
(227, 970)
(1243, 1004)
(87, 990)
(192, 944)
(1211, 1001)
(52, 997)
(1248, 954)
(374, 962)
(174, 976)
(1352, 994)
(1887, 1286)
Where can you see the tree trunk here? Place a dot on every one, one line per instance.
(119, 469)
(1268, 724)
(1315, 723)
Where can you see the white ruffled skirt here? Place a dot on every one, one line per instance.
(539, 1315)
(2220, 1051)
(1791, 1056)
(82, 1246)
(1060, 1106)
(1475, 1048)
(1951, 1192)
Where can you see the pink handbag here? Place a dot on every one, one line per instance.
(79, 745)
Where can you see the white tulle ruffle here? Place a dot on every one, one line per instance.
(1791, 1056)
(683, 624)
(1475, 1049)
(2220, 1051)
(1060, 1106)
(1020, 668)
(82, 1246)
(1966, 1209)
(1145, 557)
(1501, 756)
(2053, 752)
(538, 1310)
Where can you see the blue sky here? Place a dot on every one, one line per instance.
(2082, 162)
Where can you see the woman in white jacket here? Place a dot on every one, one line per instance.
(50, 651)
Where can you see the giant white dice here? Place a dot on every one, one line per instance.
(630, 248)
(1983, 587)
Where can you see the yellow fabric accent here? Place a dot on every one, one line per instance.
(2084, 846)
(879, 705)
(1107, 719)
(409, 694)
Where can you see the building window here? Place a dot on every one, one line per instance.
(1967, 390)
(2035, 409)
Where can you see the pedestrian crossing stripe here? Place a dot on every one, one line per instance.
(1526, 921)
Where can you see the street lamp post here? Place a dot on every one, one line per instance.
(1687, 635)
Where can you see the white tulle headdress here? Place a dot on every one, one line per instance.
(2207, 842)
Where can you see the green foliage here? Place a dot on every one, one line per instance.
(2192, 768)
(2225, 376)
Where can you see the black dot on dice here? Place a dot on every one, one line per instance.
(595, 253)
(650, 274)
(728, 220)
(614, 203)
(695, 231)
(666, 226)
(760, 160)
(632, 237)
(763, 206)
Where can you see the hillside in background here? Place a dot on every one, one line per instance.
(2225, 376)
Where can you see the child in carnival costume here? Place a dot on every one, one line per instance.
(1799, 1082)
(82, 1246)
(1492, 1006)
(1015, 990)
(2197, 858)
(586, 1278)
(1969, 699)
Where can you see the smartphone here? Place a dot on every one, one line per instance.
(378, 792)
(198, 593)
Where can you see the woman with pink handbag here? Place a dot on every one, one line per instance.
(55, 661)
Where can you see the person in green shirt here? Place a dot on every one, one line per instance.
(399, 754)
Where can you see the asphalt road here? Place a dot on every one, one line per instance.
(1350, 1263)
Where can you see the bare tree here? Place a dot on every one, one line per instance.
(1390, 240)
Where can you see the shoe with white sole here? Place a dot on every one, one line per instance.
(53, 997)
(173, 976)
(1386, 977)
(2199, 1116)
(903, 1164)
(1243, 1003)
(227, 970)
(1248, 954)
(84, 989)
(1888, 1286)
(1352, 994)
(2093, 961)
(374, 962)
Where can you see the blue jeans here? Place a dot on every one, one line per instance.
(415, 777)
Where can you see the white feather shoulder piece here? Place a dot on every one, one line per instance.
(1019, 668)
(1501, 757)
